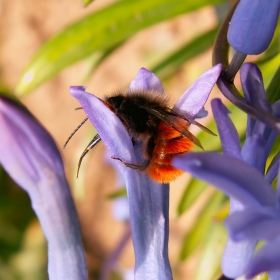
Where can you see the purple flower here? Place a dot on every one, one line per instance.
(31, 158)
(252, 25)
(148, 200)
(239, 173)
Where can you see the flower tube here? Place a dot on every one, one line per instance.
(148, 199)
(30, 156)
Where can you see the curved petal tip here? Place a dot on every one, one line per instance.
(74, 89)
(194, 98)
(146, 80)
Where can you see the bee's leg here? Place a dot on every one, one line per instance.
(140, 166)
(96, 139)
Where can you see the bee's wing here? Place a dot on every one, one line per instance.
(191, 121)
(167, 118)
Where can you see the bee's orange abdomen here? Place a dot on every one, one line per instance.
(169, 143)
(163, 174)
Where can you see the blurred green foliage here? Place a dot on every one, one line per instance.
(100, 31)
(16, 220)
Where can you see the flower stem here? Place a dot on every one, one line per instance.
(221, 45)
(234, 66)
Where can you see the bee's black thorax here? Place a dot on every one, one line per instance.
(132, 113)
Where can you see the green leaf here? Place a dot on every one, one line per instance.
(191, 193)
(93, 61)
(274, 47)
(273, 90)
(269, 69)
(199, 232)
(210, 259)
(198, 45)
(98, 31)
(119, 193)
(87, 2)
(15, 215)
(170, 64)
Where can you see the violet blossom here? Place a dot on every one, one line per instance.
(30, 156)
(252, 25)
(120, 211)
(240, 173)
(148, 200)
(248, 27)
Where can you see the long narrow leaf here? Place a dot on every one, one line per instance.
(273, 90)
(210, 261)
(210, 143)
(100, 30)
(198, 45)
(191, 193)
(199, 232)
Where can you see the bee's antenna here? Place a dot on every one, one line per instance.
(96, 139)
(76, 129)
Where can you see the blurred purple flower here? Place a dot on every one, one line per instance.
(120, 206)
(120, 209)
(252, 25)
(30, 156)
(254, 213)
(148, 200)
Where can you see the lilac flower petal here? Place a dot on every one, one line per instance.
(275, 275)
(146, 80)
(148, 200)
(273, 169)
(17, 124)
(276, 109)
(228, 134)
(236, 258)
(232, 94)
(254, 224)
(65, 249)
(150, 266)
(267, 259)
(253, 152)
(252, 84)
(150, 219)
(108, 125)
(202, 113)
(230, 175)
(194, 98)
(269, 134)
(252, 25)
(30, 156)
